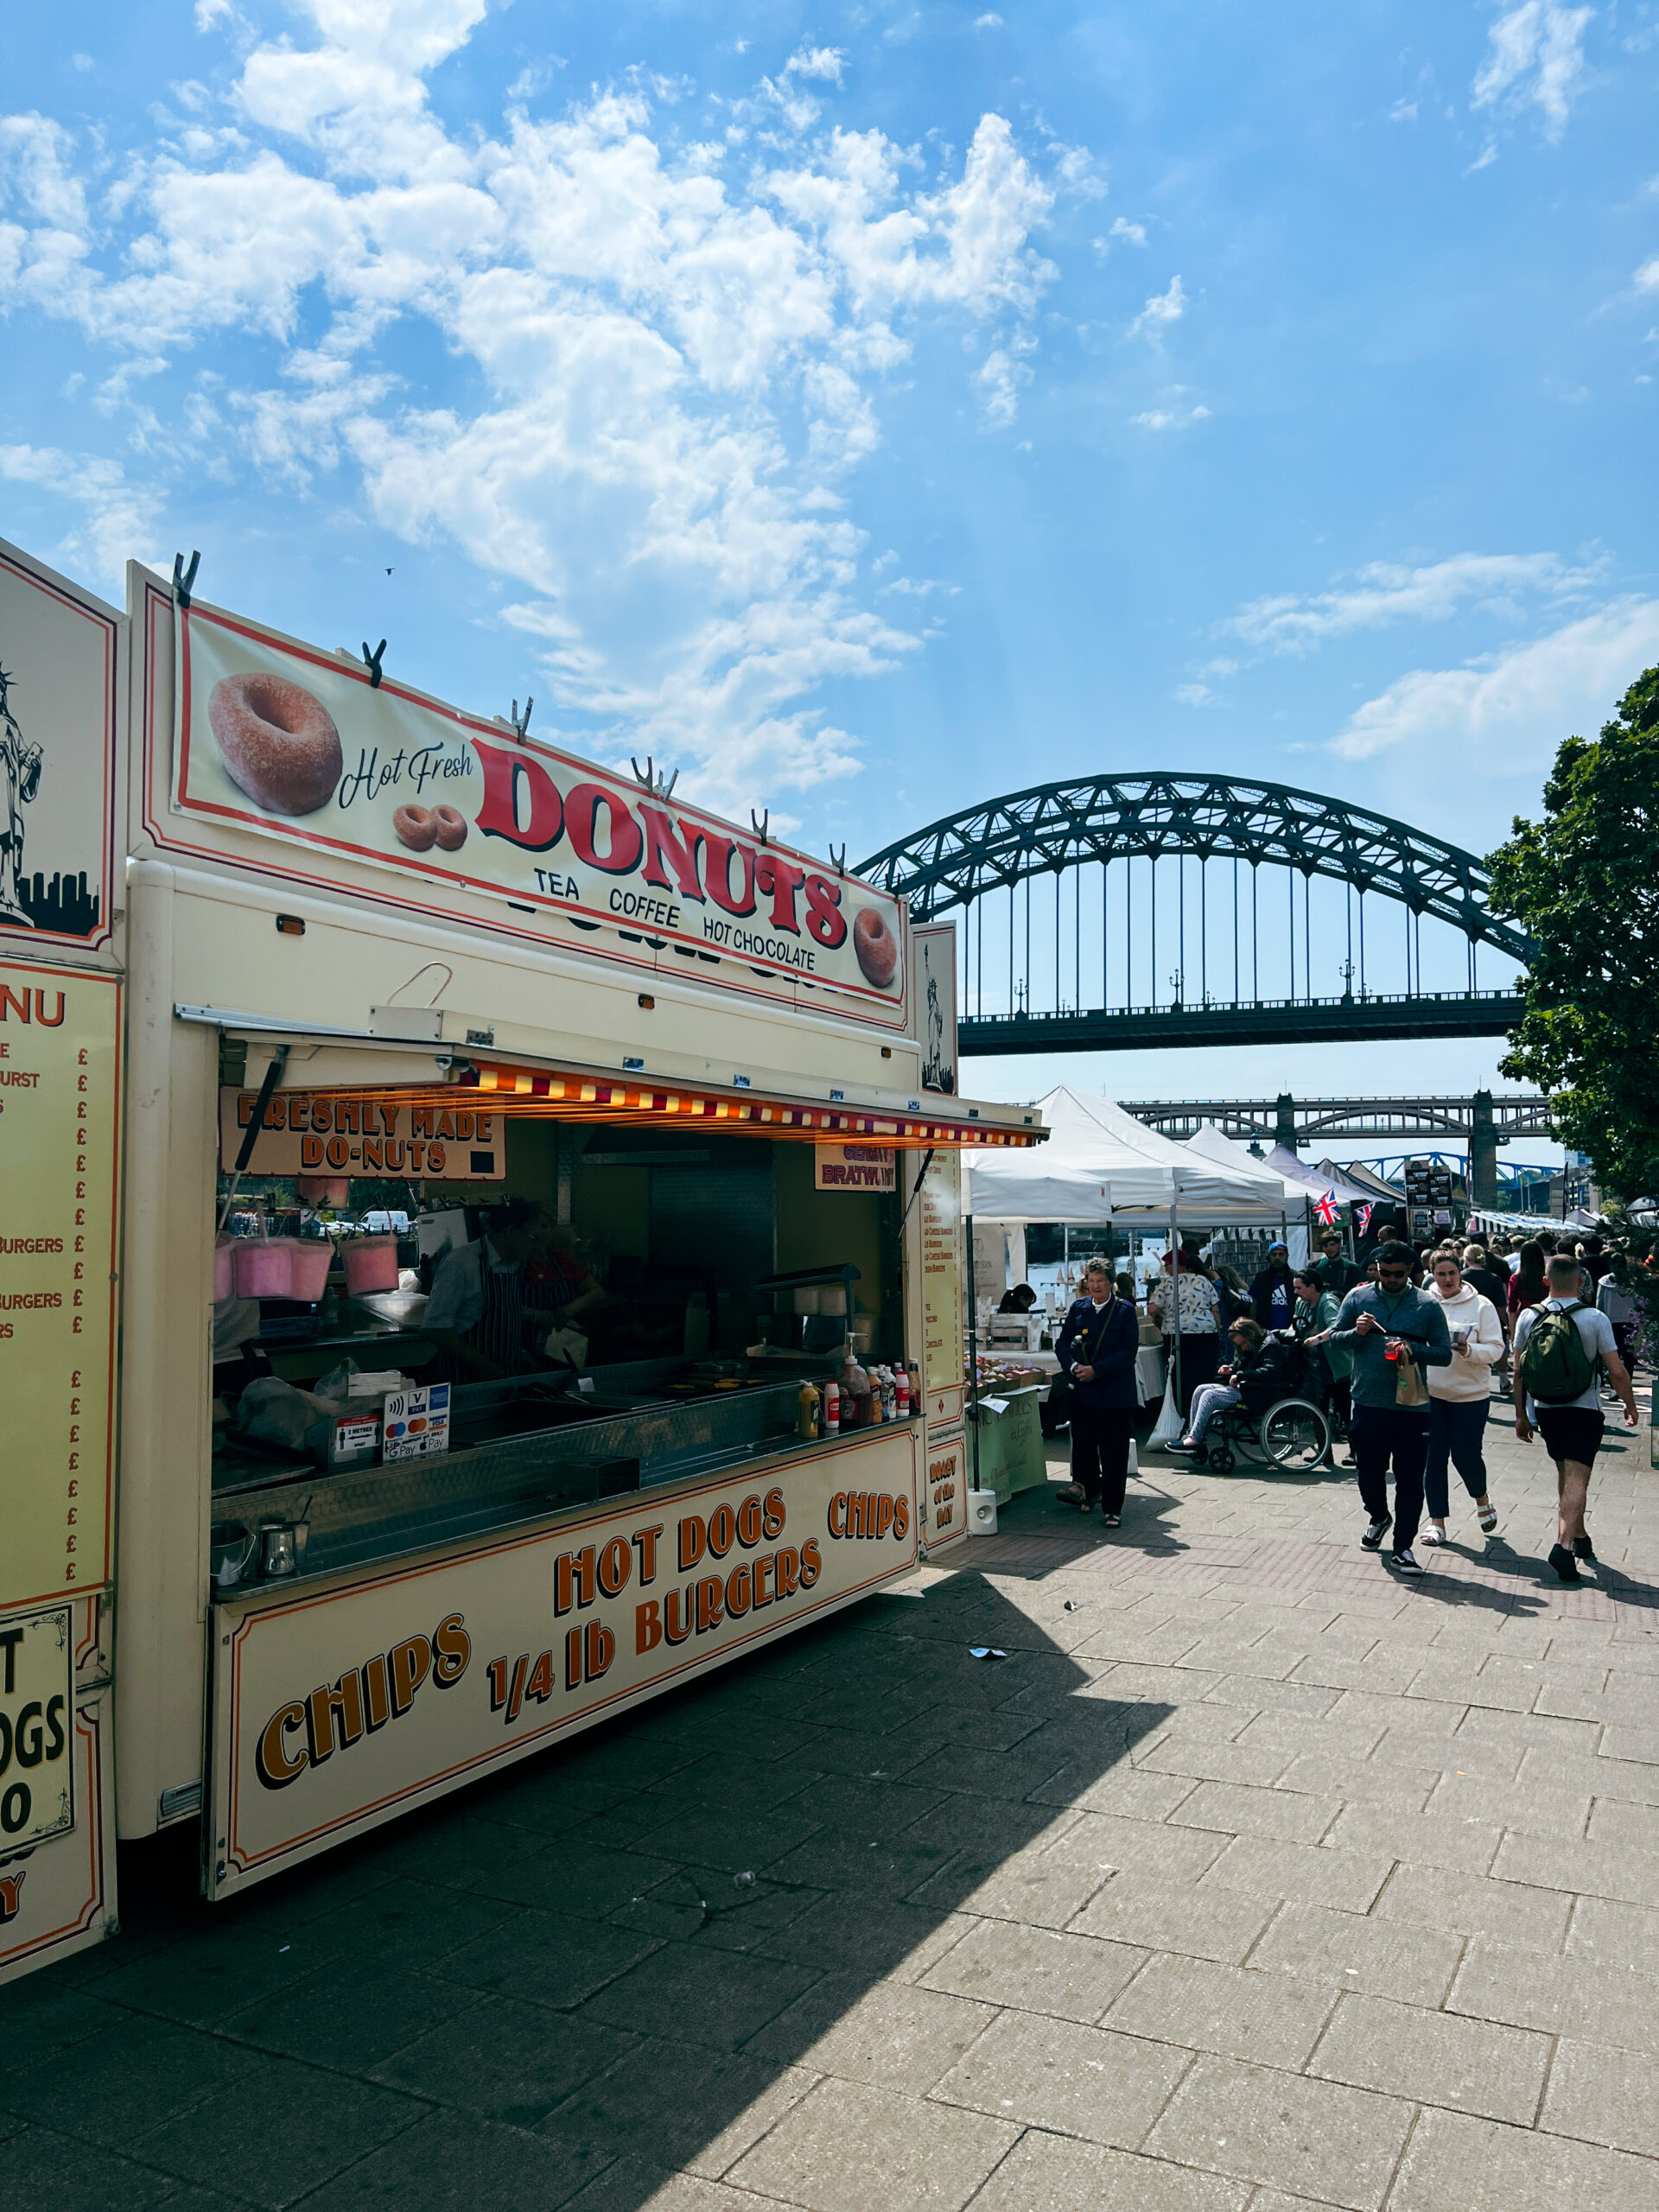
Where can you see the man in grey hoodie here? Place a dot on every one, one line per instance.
(1384, 1324)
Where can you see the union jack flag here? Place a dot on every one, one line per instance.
(1325, 1207)
(1362, 1218)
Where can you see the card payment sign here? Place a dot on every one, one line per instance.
(417, 1422)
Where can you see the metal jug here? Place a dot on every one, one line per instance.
(279, 1549)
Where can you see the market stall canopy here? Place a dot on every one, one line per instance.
(1069, 1178)
(1278, 1194)
(1316, 1180)
(1356, 1172)
(1100, 1165)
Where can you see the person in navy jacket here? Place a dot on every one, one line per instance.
(1096, 1350)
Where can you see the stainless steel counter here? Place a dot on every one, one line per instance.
(503, 1472)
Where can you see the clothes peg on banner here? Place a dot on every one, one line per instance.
(183, 578)
(371, 660)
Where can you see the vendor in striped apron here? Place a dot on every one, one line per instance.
(476, 1312)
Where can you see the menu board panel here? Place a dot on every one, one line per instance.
(60, 1151)
(942, 1287)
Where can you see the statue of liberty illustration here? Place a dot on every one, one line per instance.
(20, 779)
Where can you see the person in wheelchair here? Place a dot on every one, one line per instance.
(1266, 1367)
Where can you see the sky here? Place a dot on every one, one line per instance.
(871, 410)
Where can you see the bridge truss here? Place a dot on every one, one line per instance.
(1483, 1121)
(1250, 964)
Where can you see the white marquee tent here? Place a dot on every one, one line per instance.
(1101, 1164)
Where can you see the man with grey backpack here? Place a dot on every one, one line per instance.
(1560, 1345)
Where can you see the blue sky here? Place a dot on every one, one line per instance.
(870, 409)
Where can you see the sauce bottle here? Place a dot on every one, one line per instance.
(901, 1389)
(832, 1410)
(854, 1392)
(807, 1417)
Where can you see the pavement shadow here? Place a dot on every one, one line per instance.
(624, 1959)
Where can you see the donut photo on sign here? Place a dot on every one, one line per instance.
(876, 946)
(277, 740)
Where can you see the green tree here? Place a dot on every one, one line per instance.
(1583, 884)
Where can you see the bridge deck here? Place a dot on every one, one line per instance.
(1267, 1021)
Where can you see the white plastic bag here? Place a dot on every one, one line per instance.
(1167, 1428)
(274, 1411)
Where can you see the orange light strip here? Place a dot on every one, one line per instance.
(568, 1096)
(538, 1094)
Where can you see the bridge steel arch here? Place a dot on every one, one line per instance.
(1052, 828)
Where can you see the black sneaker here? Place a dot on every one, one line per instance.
(1565, 1567)
(1374, 1535)
(1405, 1562)
(1583, 1548)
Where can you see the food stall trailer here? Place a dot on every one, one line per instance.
(285, 1559)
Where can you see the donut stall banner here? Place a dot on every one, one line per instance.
(341, 1132)
(298, 744)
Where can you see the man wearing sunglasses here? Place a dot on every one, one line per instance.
(1389, 1326)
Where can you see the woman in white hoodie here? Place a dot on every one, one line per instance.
(1459, 1396)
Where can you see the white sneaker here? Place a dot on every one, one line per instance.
(1405, 1562)
(1374, 1532)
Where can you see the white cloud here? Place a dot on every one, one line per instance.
(669, 363)
(1536, 56)
(1647, 277)
(117, 518)
(1195, 695)
(1171, 418)
(1130, 233)
(999, 377)
(1076, 173)
(821, 61)
(1504, 715)
(1161, 312)
(1391, 592)
(987, 22)
(209, 12)
(1403, 112)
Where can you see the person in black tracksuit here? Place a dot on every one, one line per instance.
(1096, 1350)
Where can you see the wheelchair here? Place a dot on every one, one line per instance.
(1293, 1436)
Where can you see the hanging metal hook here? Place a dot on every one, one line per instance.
(183, 578)
(760, 827)
(521, 723)
(371, 660)
(660, 786)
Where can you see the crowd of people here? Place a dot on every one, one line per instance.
(1400, 1343)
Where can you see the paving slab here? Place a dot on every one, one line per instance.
(1317, 2139)
(1436, 2058)
(910, 2156)
(1055, 2074)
